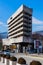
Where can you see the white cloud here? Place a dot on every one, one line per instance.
(39, 27)
(3, 24)
(36, 21)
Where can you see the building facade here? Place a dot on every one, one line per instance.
(38, 41)
(20, 27)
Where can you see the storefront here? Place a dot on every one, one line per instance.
(38, 46)
(21, 47)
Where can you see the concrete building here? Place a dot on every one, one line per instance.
(20, 28)
(3, 36)
(5, 43)
(0, 44)
(38, 41)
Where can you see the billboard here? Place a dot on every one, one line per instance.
(36, 44)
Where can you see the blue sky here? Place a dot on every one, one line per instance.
(8, 7)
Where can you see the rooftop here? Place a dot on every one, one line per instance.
(21, 8)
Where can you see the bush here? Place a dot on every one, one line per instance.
(1, 55)
(4, 56)
(21, 61)
(8, 56)
(13, 58)
(35, 63)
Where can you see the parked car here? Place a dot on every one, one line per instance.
(7, 52)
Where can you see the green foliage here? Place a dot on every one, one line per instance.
(13, 58)
(21, 61)
(8, 56)
(35, 63)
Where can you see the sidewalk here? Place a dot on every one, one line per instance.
(36, 55)
(27, 54)
(1, 63)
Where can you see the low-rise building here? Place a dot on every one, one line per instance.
(38, 41)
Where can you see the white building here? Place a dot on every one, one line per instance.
(20, 27)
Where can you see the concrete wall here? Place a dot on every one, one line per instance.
(5, 41)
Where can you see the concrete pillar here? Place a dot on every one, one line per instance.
(12, 62)
(23, 49)
(1, 57)
(17, 48)
(7, 59)
(4, 58)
